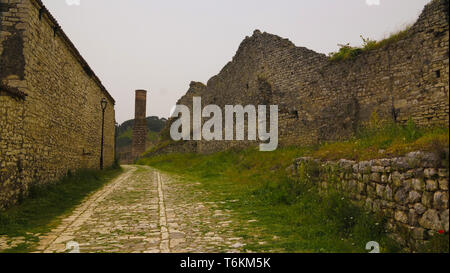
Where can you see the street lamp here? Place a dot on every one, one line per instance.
(103, 103)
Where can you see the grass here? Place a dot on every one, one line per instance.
(160, 146)
(387, 140)
(37, 214)
(347, 52)
(291, 215)
(436, 244)
(292, 211)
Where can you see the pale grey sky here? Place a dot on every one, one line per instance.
(163, 45)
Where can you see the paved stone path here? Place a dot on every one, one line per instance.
(144, 211)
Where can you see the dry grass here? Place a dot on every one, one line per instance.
(346, 51)
(391, 140)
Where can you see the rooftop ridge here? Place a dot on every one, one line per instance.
(43, 10)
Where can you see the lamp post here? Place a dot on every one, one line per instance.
(103, 103)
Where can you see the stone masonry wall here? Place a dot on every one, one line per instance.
(321, 100)
(50, 113)
(411, 191)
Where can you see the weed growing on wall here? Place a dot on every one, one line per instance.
(347, 52)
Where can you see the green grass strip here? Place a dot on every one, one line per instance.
(39, 211)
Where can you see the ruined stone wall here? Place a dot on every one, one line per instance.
(124, 155)
(411, 191)
(321, 100)
(56, 125)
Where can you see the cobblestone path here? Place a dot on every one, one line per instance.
(144, 211)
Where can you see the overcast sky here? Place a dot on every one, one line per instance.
(163, 45)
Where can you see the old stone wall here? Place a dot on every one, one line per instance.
(411, 191)
(321, 100)
(50, 113)
(124, 155)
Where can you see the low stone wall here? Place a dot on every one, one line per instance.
(173, 147)
(124, 155)
(410, 191)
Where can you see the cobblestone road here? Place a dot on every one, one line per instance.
(144, 211)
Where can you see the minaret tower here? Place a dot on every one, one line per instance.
(140, 125)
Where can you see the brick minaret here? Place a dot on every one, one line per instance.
(140, 125)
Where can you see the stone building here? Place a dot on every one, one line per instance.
(324, 100)
(50, 112)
